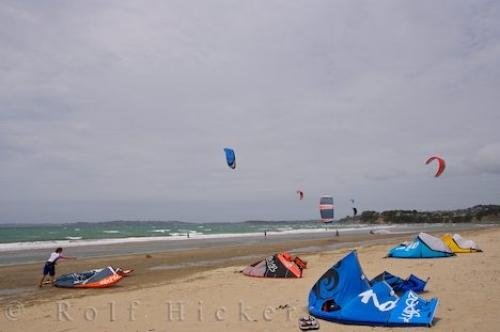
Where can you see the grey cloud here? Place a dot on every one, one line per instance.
(487, 158)
(126, 107)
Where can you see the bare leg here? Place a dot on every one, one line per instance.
(41, 281)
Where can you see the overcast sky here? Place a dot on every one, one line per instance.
(121, 109)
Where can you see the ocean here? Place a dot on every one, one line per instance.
(30, 243)
(19, 237)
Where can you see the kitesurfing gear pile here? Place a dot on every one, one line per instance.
(423, 246)
(400, 285)
(98, 278)
(458, 244)
(281, 265)
(343, 294)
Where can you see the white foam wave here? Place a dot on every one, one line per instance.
(284, 229)
(193, 235)
(166, 230)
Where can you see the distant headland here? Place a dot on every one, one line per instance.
(476, 214)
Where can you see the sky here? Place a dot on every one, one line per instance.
(121, 109)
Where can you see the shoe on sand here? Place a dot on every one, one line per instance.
(308, 323)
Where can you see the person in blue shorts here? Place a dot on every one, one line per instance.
(50, 265)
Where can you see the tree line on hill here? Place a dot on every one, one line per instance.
(478, 213)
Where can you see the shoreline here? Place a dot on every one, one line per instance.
(69, 242)
(156, 267)
(32, 252)
(461, 283)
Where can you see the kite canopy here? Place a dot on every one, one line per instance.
(354, 209)
(98, 278)
(301, 194)
(400, 285)
(326, 209)
(423, 246)
(458, 244)
(343, 294)
(230, 157)
(441, 165)
(280, 265)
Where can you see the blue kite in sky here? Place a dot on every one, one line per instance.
(230, 157)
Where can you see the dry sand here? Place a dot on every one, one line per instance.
(223, 299)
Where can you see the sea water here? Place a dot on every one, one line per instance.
(31, 243)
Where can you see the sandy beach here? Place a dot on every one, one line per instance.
(167, 161)
(205, 297)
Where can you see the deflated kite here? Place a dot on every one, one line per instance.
(343, 294)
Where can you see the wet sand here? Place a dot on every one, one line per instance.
(203, 289)
(164, 267)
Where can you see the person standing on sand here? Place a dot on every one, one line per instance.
(50, 265)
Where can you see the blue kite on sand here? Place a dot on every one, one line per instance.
(343, 294)
(400, 285)
(423, 246)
